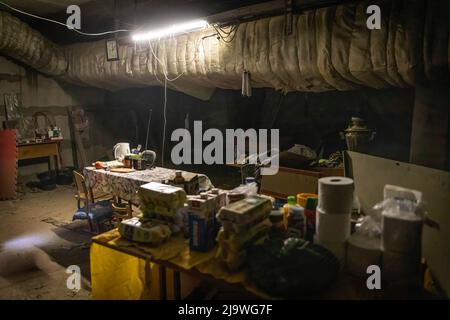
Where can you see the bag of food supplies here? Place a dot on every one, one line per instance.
(291, 268)
(148, 232)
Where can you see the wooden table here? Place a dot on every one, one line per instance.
(35, 150)
(345, 287)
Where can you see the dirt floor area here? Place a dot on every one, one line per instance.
(38, 242)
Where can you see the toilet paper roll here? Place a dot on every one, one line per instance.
(401, 235)
(336, 195)
(361, 254)
(337, 248)
(332, 227)
(400, 268)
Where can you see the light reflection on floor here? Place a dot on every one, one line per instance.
(27, 241)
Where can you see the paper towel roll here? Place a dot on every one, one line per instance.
(336, 195)
(332, 227)
(399, 267)
(401, 235)
(362, 253)
(337, 248)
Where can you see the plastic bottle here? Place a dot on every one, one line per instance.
(278, 228)
(296, 219)
(291, 201)
(310, 216)
(252, 186)
(356, 212)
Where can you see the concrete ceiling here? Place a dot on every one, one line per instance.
(99, 15)
(42, 7)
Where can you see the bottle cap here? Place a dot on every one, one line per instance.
(275, 216)
(311, 203)
(291, 200)
(296, 211)
(249, 180)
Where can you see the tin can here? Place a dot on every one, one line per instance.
(137, 164)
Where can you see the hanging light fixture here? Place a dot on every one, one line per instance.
(172, 30)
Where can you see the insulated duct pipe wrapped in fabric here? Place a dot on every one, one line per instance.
(28, 46)
(330, 49)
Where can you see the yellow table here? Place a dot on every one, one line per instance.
(121, 269)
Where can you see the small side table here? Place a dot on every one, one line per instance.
(46, 149)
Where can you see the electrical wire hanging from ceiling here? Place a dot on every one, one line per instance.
(166, 80)
(63, 24)
(229, 35)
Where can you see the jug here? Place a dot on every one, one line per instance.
(120, 150)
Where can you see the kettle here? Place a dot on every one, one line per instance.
(149, 158)
(120, 150)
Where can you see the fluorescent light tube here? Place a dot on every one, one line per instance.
(174, 29)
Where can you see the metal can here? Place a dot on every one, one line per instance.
(137, 164)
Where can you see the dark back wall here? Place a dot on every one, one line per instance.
(305, 118)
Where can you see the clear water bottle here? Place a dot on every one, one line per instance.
(251, 186)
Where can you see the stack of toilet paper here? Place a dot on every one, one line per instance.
(362, 252)
(401, 238)
(333, 215)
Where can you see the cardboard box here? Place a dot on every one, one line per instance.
(290, 181)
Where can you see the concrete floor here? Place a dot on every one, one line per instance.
(37, 245)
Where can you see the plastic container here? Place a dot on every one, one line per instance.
(296, 219)
(303, 197)
(291, 201)
(251, 187)
(310, 216)
(202, 233)
(278, 228)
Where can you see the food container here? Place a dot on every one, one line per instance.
(296, 219)
(147, 232)
(303, 197)
(202, 233)
(402, 235)
(245, 210)
(127, 162)
(203, 205)
(235, 196)
(138, 164)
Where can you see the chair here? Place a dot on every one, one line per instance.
(96, 212)
(121, 210)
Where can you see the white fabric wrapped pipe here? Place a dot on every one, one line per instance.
(19, 41)
(329, 49)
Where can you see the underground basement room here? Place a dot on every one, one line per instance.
(241, 150)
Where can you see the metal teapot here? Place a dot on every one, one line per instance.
(357, 135)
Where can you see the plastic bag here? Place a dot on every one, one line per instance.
(401, 209)
(368, 227)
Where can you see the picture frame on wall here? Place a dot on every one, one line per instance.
(12, 111)
(112, 50)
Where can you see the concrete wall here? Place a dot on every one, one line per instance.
(41, 93)
(305, 118)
